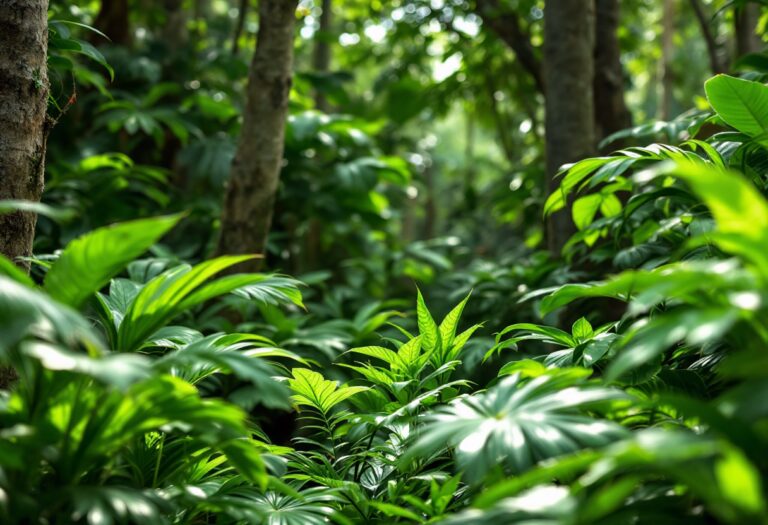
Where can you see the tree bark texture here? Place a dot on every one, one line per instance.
(113, 21)
(611, 113)
(569, 33)
(23, 125)
(745, 25)
(255, 173)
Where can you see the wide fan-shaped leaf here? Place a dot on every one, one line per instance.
(516, 425)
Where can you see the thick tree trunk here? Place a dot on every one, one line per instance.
(23, 127)
(321, 53)
(611, 113)
(255, 173)
(569, 32)
(745, 24)
(113, 21)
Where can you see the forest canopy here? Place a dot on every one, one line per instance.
(298, 262)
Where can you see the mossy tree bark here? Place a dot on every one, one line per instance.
(255, 173)
(23, 127)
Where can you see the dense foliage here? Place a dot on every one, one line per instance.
(621, 381)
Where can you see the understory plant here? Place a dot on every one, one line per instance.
(126, 410)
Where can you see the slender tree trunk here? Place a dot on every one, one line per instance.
(254, 178)
(242, 13)
(709, 37)
(667, 50)
(745, 23)
(175, 34)
(321, 54)
(611, 113)
(569, 32)
(113, 21)
(23, 126)
(430, 204)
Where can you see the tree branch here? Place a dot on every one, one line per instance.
(709, 38)
(506, 25)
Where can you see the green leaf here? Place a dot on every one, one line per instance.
(23, 310)
(742, 104)
(10, 270)
(379, 352)
(740, 211)
(177, 290)
(427, 326)
(61, 215)
(88, 262)
(451, 322)
(581, 329)
(516, 424)
(584, 209)
(313, 390)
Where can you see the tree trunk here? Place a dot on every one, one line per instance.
(667, 50)
(611, 113)
(569, 32)
(253, 182)
(709, 37)
(113, 21)
(321, 54)
(745, 24)
(175, 32)
(242, 13)
(23, 126)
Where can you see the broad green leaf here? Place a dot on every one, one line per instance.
(739, 210)
(88, 262)
(585, 208)
(741, 103)
(581, 329)
(24, 310)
